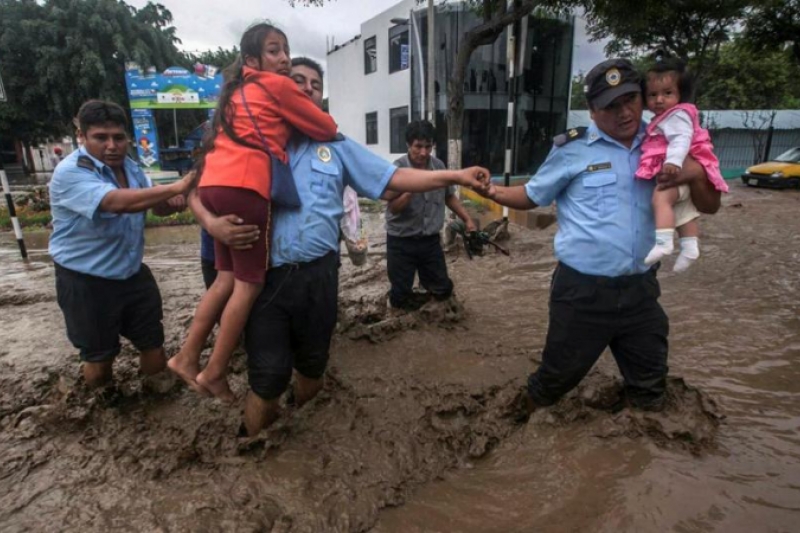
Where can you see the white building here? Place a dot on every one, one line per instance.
(376, 83)
(367, 85)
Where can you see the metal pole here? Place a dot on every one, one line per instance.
(511, 64)
(421, 71)
(12, 212)
(175, 121)
(431, 66)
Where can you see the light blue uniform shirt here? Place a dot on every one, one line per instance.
(321, 171)
(605, 216)
(85, 238)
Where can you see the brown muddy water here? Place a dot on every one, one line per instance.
(417, 427)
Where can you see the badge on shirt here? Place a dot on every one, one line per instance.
(324, 154)
(598, 166)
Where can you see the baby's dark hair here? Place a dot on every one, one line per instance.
(663, 65)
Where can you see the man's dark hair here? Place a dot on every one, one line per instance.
(420, 130)
(99, 113)
(310, 63)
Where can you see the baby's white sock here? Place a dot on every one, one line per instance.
(689, 253)
(664, 246)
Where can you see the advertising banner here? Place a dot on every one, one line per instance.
(146, 139)
(175, 88)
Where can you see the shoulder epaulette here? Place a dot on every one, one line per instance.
(86, 162)
(339, 137)
(568, 136)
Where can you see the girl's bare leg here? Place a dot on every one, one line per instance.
(214, 377)
(186, 363)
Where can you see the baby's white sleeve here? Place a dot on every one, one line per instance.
(678, 130)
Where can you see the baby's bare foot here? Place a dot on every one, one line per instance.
(218, 387)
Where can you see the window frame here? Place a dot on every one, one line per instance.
(397, 136)
(367, 63)
(395, 32)
(371, 117)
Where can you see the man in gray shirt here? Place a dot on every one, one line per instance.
(413, 223)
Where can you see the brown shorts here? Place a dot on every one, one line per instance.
(247, 265)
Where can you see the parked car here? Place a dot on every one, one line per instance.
(781, 172)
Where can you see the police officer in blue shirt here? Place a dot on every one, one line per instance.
(98, 199)
(292, 322)
(602, 294)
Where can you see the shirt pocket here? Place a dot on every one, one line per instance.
(600, 192)
(321, 173)
(109, 224)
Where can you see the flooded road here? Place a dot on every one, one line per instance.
(417, 427)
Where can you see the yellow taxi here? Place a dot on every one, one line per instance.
(781, 172)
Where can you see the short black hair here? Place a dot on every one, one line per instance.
(420, 130)
(310, 63)
(99, 113)
(665, 65)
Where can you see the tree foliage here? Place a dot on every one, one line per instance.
(689, 29)
(60, 53)
(774, 24)
(746, 79)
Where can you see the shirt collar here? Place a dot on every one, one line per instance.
(594, 134)
(129, 165)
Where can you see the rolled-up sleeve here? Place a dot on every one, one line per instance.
(79, 191)
(364, 171)
(551, 178)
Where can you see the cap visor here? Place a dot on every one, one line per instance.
(610, 95)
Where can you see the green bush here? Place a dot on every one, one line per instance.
(30, 218)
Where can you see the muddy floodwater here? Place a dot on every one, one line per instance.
(417, 428)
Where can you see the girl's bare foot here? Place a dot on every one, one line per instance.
(218, 387)
(187, 372)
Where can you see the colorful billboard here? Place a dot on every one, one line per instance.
(175, 88)
(146, 138)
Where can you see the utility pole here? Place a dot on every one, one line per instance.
(12, 213)
(431, 67)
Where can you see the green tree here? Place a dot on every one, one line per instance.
(746, 79)
(58, 54)
(689, 29)
(774, 24)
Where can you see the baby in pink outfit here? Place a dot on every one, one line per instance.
(673, 134)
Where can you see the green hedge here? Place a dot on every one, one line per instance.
(34, 219)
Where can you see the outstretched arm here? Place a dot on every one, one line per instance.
(409, 179)
(138, 200)
(514, 197)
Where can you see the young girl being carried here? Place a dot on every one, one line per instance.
(673, 134)
(259, 105)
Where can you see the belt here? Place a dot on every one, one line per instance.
(290, 267)
(567, 272)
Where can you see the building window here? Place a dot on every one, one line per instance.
(370, 56)
(398, 120)
(372, 128)
(398, 48)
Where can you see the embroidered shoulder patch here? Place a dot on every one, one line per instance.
(569, 136)
(86, 162)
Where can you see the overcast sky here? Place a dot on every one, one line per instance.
(208, 24)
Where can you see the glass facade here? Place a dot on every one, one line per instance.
(542, 87)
